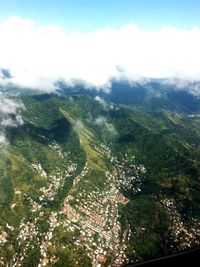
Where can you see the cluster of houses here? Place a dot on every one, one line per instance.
(95, 213)
(91, 213)
(182, 236)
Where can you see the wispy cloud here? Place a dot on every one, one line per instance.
(191, 86)
(3, 140)
(10, 116)
(79, 127)
(102, 122)
(102, 102)
(37, 56)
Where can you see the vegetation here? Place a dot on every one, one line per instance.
(64, 131)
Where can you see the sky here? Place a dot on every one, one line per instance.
(93, 42)
(85, 15)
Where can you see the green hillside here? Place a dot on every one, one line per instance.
(84, 183)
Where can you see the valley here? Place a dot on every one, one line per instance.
(89, 184)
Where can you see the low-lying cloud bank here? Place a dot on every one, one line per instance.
(9, 116)
(37, 56)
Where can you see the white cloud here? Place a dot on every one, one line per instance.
(102, 122)
(9, 116)
(101, 101)
(12, 123)
(3, 140)
(8, 105)
(182, 84)
(39, 55)
(79, 127)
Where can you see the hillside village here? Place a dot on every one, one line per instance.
(92, 217)
(93, 214)
(85, 217)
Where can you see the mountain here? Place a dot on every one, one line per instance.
(107, 180)
(149, 95)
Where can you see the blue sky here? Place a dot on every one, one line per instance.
(38, 55)
(84, 15)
